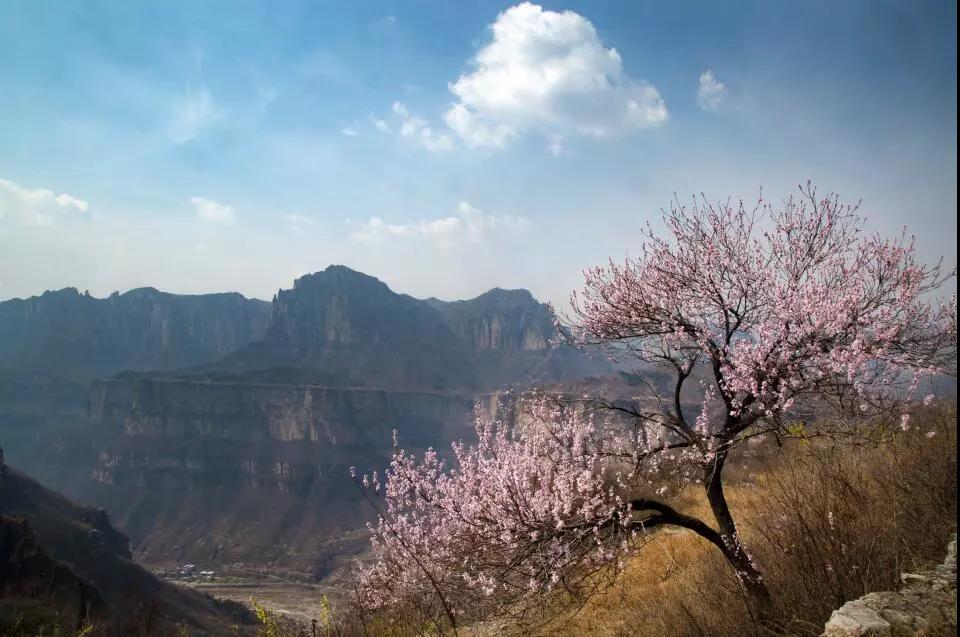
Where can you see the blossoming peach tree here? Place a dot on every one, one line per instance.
(764, 317)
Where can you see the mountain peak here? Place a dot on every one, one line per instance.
(353, 326)
(338, 275)
(61, 293)
(519, 296)
(144, 293)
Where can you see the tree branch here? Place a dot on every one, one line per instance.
(665, 514)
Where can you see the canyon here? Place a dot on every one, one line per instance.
(220, 431)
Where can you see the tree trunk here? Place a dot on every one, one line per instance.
(758, 596)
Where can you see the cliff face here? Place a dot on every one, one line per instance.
(357, 332)
(260, 412)
(512, 340)
(501, 320)
(246, 458)
(52, 345)
(77, 336)
(258, 473)
(226, 472)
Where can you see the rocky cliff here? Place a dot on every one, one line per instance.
(512, 339)
(350, 329)
(250, 472)
(926, 605)
(502, 320)
(354, 331)
(245, 459)
(258, 412)
(78, 336)
(52, 345)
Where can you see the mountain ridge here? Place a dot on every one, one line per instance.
(185, 457)
(80, 337)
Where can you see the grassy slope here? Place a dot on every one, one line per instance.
(825, 523)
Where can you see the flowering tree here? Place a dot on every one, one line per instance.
(764, 318)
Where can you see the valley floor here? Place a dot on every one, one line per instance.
(281, 592)
(300, 602)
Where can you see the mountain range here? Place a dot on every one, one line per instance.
(219, 430)
(76, 336)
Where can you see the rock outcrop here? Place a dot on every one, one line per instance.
(512, 340)
(355, 331)
(509, 320)
(343, 328)
(225, 472)
(926, 605)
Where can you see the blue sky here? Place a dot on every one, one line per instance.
(446, 147)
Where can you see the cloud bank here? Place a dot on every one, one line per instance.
(468, 225)
(210, 210)
(548, 71)
(39, 207)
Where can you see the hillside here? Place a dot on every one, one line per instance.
(67, 557)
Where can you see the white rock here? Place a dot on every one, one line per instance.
(856, 619)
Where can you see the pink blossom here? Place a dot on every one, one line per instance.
(763, 319)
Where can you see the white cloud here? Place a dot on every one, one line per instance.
(556, 146)
(39, 207)
(474, 132)
(710, 92)
(415, 129)
(548, 70)
(193, 112)
(299, 223)
(210, 210)
(349, 131)
(469, 225)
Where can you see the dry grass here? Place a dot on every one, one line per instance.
(827, 524)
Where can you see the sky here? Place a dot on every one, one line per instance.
(447, 147)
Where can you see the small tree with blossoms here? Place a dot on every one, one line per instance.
(766, 316)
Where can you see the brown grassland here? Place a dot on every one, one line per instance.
(826, 522)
